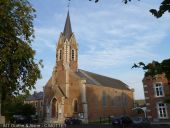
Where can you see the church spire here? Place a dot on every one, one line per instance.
(67, 28)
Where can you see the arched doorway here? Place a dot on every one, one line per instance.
(54, 110)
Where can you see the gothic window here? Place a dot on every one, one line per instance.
(124, 99)
(75, 106)
(159, 89)
(112, 101)
(118, 100)
(104, 98)
(72, 54)
(162, 110)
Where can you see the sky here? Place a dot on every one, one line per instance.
(112, 36)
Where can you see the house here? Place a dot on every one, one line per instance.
(73, 92)
(155, 89)
(36, 99)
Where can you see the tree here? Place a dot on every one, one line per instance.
(154, 68)
(19, 70)
(164, 7)
(17, 107)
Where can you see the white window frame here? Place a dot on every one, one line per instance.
(163, 110)
(159, 90)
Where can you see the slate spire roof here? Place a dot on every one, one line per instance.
(67, 28)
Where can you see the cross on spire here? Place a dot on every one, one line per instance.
(68, 5)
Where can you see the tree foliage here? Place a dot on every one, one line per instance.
(19, 70)
(154, 68)
(16, 106)
(164, 7)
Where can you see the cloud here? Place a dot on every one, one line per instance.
(45, 39)
(114, 39)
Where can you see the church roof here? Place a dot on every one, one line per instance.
(100, 80)
(67, 28)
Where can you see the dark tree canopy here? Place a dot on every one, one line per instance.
(154, 68)
(16, 106)
(19, 70)
(164, 7)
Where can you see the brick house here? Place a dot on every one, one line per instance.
(155, 89)
(73, 92)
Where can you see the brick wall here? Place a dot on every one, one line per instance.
(152, 99)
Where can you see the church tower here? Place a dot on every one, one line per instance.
(67, 49)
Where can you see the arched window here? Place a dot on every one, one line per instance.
(72, 54)
(60, 54)
(104, 98)
(75, 106)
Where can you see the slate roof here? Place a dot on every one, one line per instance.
(100, 80)
(35, 96)
(67, 28)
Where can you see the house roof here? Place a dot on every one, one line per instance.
(100, 80)
(35, 96)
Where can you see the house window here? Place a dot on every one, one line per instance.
(73, 54)
(162, 110)
(159, 90)
(36, 104)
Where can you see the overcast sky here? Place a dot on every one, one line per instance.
(112, 37)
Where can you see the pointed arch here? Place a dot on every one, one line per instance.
(54, 108)
(59, 54)
(75, 105)
(73, 55)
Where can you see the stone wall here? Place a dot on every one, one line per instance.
(106, 101)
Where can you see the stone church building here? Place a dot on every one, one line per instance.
(72, 92)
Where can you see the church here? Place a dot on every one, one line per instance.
(73, 92)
